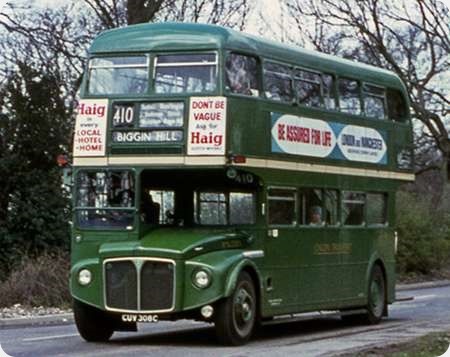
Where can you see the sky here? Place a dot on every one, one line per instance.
(267, 6)
(257, 21)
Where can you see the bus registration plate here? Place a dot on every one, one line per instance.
(140, 318)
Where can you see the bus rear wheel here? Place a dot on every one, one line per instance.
(377, 296)
(236, 315)
(376, 304)
(92, 324)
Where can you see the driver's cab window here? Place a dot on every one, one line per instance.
(158, 206)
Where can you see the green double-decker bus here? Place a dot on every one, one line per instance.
(229, 179)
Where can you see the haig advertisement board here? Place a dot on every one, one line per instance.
(296, 135)
(90, 128)
(207, 126)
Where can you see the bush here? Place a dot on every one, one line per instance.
(38, 282)
(424, 244)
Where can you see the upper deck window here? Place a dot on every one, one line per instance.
(118, 75)
(277, 82)
(241, 74)
(349, 99)
(186, 73)
(329, 92)
(397, 108)
(307, 87)
(374, 101)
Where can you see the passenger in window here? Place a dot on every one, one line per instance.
(149, 208)
(119, 194)
(171, 219)
(315, 217)
(237, 75)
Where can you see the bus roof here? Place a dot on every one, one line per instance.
(189, 36)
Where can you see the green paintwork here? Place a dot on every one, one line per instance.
(290, 277)
(171, 37)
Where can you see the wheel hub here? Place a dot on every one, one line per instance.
(243, 306)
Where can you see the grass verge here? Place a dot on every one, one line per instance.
(43, 281)
(432, 345)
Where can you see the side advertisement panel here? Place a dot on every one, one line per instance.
(296, 135)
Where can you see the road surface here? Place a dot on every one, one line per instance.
(327, 336)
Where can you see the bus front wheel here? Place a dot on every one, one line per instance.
(92, 324)
(236, 315)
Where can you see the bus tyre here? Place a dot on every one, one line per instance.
(92, 324)
(235, 316)
(376, 304)
(376, 296)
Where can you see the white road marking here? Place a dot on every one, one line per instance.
(49, 337)
(424, 297)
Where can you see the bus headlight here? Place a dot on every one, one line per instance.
(202, 279)
(84, 277)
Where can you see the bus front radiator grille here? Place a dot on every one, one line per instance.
(157, 284)
(121, 285)
(139, 284)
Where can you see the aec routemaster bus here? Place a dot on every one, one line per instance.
(229, 179)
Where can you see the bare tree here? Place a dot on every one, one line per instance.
(56, 39)
(410, 37)
(221, 12)
(116, 13)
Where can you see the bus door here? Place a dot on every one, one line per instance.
(281, 251)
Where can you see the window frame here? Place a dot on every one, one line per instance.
(259, 70)
(295, 199)
(385, 196)
(366, 93)
(226, 192)
(153, 68)
(90, 67)
(343, 201)
(320, 83)
(302, 222)
(338, 206)
(290, 76)
(132, 209)
(391, 93)
(359, 95)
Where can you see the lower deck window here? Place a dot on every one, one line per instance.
(376, 208)
(281, 204)
(157, 206)
(319, 207)
(223, 208)
(353, 208)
